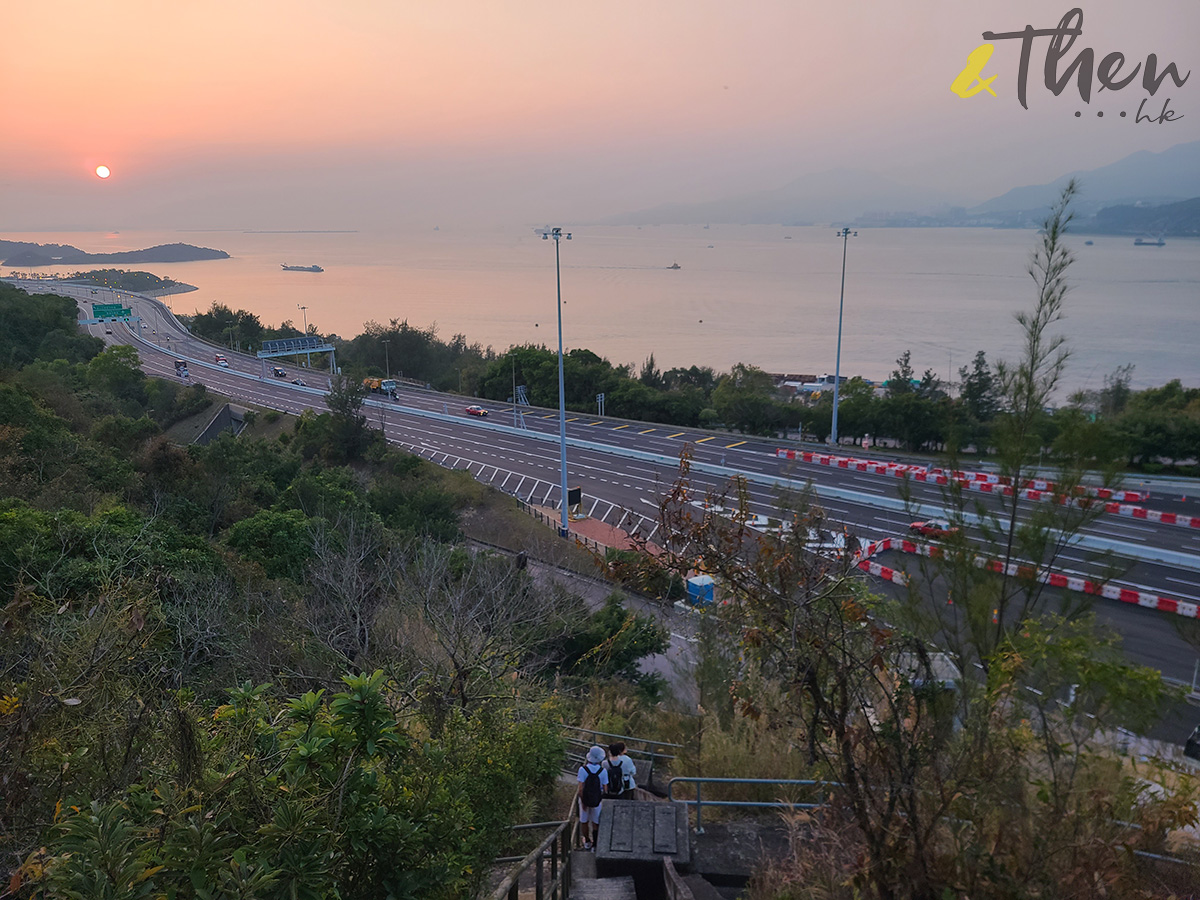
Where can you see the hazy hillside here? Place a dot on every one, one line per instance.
(1170, 220)
(23, 254)
(1172, 175)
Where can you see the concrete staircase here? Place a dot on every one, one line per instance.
(586, 886)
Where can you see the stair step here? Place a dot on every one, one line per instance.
(604, 889)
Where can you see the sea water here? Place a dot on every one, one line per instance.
(762, 295)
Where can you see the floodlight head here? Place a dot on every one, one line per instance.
(568, 235)
(545, 236)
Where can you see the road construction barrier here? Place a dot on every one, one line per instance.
(1076, 583)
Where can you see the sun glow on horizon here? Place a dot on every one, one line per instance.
(102, 171)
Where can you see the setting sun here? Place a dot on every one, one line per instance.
(102, 171)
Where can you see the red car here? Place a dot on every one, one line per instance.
(933, 528)
(477, 411)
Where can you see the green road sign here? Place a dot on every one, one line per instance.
(108, 310)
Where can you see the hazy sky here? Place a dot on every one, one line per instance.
(360, 113)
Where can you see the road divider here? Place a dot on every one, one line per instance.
(1076, 583)
(985, 482)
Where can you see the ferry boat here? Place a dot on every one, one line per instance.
(302, 268)
(1157, 242)
(674, 265)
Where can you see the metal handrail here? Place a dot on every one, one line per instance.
(559, 842)
(627, 737)
(651, 754)
(700, 803)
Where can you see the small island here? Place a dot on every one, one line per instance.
(137, 282)
(21, 254)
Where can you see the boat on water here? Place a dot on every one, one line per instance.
(302, 268)
(1089, 243)
(674, 265)
(1143, 242)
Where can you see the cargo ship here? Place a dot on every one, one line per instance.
(302, 268)
(1143, 242)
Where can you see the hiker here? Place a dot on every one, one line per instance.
(593, 779)
(622, 772)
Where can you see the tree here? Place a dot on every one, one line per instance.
(117, 371)
(978, 392)
(744, 400)
(348, 433)
(901, 379)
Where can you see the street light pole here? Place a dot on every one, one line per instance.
(304, 309)
(845, 234)
(387, 364)
(557, 233)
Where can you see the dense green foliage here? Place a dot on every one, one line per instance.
(143, 579)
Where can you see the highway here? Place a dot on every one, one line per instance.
(623, 467)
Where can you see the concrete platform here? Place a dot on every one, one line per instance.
(639, 831)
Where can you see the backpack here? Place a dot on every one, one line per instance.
(591, 795)
(616, 779)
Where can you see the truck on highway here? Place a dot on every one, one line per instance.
(181, 368)
(380, 385)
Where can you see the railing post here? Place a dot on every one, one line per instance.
(699, 807)
(539, 877)
(553, 866)
(567, 865)
(513, 892)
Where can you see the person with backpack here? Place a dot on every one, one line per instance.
(622, 772)
(593, 779)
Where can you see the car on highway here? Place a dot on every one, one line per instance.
(933, 528)
(298, 381)
(477, 411)
(108, 331)
(278, 372)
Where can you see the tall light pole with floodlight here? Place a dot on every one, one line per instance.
(845, 234)
(557, 233)
(387, 363)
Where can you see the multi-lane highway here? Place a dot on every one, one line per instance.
(623, 467)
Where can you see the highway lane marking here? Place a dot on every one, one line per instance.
(576, 419)
(595, 503)
(619, 427)
(551, 416)
(669, 436)
(648, 430)
(710, 438)
(731, 446)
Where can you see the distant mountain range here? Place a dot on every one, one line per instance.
(21, 254)
(1140, 178)
(864, 198)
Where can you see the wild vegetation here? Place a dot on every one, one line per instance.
(260, 668)
(275, 668)
(963, 732)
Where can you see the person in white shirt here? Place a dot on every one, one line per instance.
(622, 778)
(593, 780)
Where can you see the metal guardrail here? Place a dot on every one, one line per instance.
(651, 754)
(558, 844)
(700, 802)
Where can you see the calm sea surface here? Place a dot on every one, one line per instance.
(764, 295)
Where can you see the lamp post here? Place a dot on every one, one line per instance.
(845, 234)
(557, 233)
(304, 309)
(387, 364)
